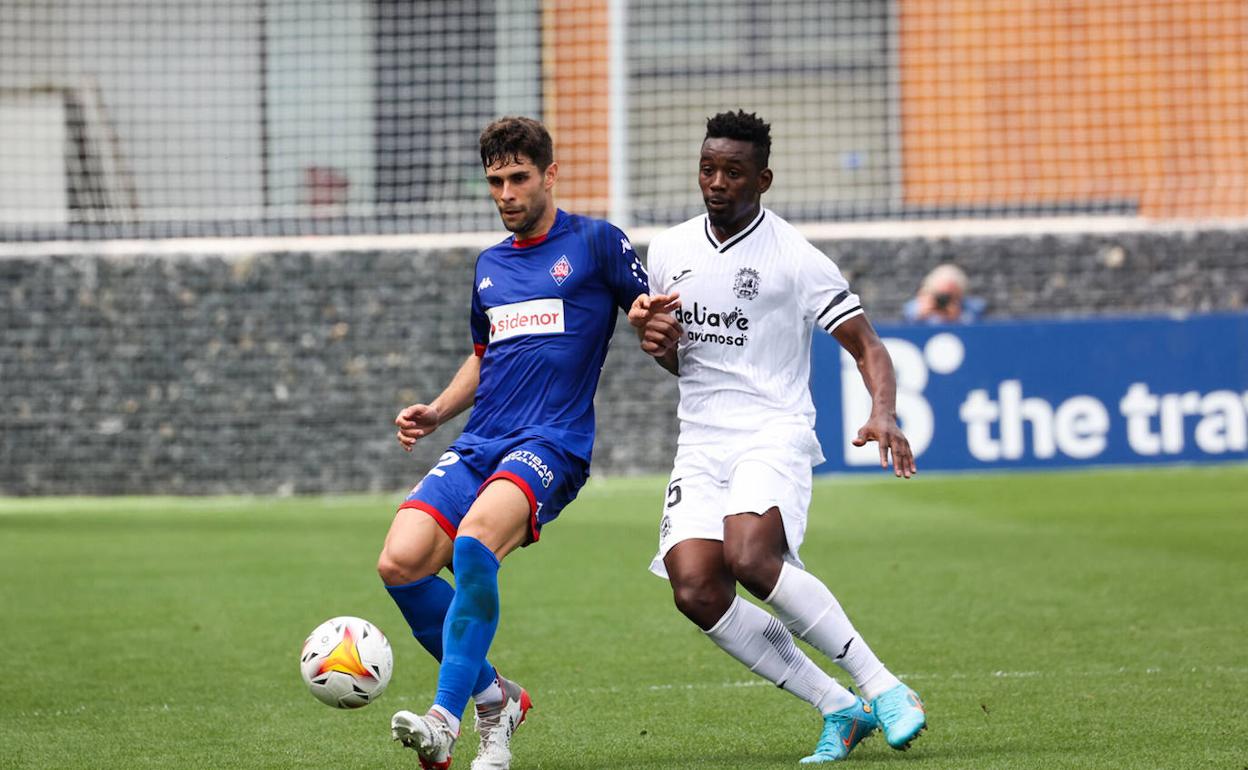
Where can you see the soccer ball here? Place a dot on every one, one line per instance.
(346, 662)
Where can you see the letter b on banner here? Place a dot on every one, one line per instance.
(914, 413)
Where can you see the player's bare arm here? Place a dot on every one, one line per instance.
(419, 420)
(858, 337)
(657, 329)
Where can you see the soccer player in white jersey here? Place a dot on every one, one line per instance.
(735, 297)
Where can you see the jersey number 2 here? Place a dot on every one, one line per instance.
(446, 460)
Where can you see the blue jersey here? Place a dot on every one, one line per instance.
(542, 317)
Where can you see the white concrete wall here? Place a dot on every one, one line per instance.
(32, 158)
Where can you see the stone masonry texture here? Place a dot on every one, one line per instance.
(280, 372)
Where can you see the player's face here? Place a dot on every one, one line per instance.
(523, 194)
(732, 184)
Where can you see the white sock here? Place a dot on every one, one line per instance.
(811, 612)
(752, 636)
(490, 696)
(452, 721)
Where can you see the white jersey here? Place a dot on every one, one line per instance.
(748, 307)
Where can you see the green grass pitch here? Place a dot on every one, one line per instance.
(1051, 620)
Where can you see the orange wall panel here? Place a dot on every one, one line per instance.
(1032, 101)
(575, 100)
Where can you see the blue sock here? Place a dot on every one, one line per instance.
(470, 623)
(424, 604)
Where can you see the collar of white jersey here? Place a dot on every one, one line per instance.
(734, 240)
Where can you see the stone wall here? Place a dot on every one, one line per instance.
(280, 372)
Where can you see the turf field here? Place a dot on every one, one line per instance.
(1049, 620)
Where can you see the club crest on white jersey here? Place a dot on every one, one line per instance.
(749, 307)
(536, 316)
(746, 284)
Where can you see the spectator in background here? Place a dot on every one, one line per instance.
(942, 299)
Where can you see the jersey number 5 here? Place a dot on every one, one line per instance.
(673, 493)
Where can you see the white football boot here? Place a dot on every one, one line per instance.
(496, 724)
(429, 735)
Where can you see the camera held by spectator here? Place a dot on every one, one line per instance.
(942, 298)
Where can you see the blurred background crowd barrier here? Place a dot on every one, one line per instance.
(171, 370)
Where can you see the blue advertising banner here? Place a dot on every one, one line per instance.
(1040, 394)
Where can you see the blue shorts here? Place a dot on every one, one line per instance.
(547, 475)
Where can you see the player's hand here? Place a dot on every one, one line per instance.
(657, 329)
(415, 422)
(662, 333)
(646, 306)
(892, 441)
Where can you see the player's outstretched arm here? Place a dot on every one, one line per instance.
(859, 338)
(657, 329)
(419, 420)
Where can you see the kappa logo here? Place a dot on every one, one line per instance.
(485, 284)
(746, 284)
(561, 270)
(625, 246)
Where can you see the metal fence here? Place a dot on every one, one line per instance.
(172, 117)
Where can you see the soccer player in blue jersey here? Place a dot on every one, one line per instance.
(544, 306)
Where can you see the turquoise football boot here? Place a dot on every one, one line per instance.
(901, 716)
(842, 731)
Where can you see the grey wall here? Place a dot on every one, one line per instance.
(281, 372)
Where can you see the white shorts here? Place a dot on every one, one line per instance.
(714, 480)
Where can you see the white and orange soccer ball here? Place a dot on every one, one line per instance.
(346, 662)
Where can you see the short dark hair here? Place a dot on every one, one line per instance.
(745, 127)
(506, 139)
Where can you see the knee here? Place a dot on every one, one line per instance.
(755, 569)
(395, 571)
(390, 570)
(703, 601)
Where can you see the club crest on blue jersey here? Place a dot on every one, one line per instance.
(746, 284)
(561, 270)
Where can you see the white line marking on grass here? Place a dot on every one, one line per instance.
(957, 676)
(731, 684)
(710, 685)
